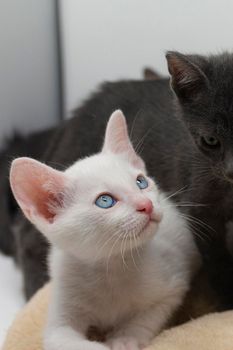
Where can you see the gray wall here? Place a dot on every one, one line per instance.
(28, 65)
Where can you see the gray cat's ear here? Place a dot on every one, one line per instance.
(151, 74)
(187, 76)
(117, 139)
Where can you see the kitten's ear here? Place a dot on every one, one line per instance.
(37, 188)
(117, 139)
(187, 77)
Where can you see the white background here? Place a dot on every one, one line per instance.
(112, 39)
(11, 295)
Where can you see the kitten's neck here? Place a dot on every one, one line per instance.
(126, 262)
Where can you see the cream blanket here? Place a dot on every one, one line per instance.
(210, 332)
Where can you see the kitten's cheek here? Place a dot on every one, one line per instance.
(157, 215)
(153, 225)
(150, 229)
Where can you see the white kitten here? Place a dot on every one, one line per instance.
(122, 258)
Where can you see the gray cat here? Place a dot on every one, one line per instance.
(184, 135)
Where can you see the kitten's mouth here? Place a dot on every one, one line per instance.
(144, 228)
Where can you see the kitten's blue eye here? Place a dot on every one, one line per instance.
(105, 201)
(142, 182)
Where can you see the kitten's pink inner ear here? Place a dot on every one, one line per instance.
(37, 188)
(116, 135)
(117, 139)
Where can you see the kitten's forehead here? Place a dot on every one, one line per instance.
(102, 168)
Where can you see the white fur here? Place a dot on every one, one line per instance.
(114, 268)
(137, 295)
(98, 280)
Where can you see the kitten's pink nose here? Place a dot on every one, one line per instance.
(145, 206)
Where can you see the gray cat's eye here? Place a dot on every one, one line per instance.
(210, 141)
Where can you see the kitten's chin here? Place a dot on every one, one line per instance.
(148, 231)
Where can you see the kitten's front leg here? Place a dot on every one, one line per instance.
(140, 331)
(65, 338)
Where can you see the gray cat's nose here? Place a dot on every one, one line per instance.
(228, 164)
(229, 170)
(229, 174)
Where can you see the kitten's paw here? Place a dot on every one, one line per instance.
(93, 346)
(124, 343)
(81, 345)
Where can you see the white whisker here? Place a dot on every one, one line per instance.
(182, 190)
(111, 250)
(131, 251)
